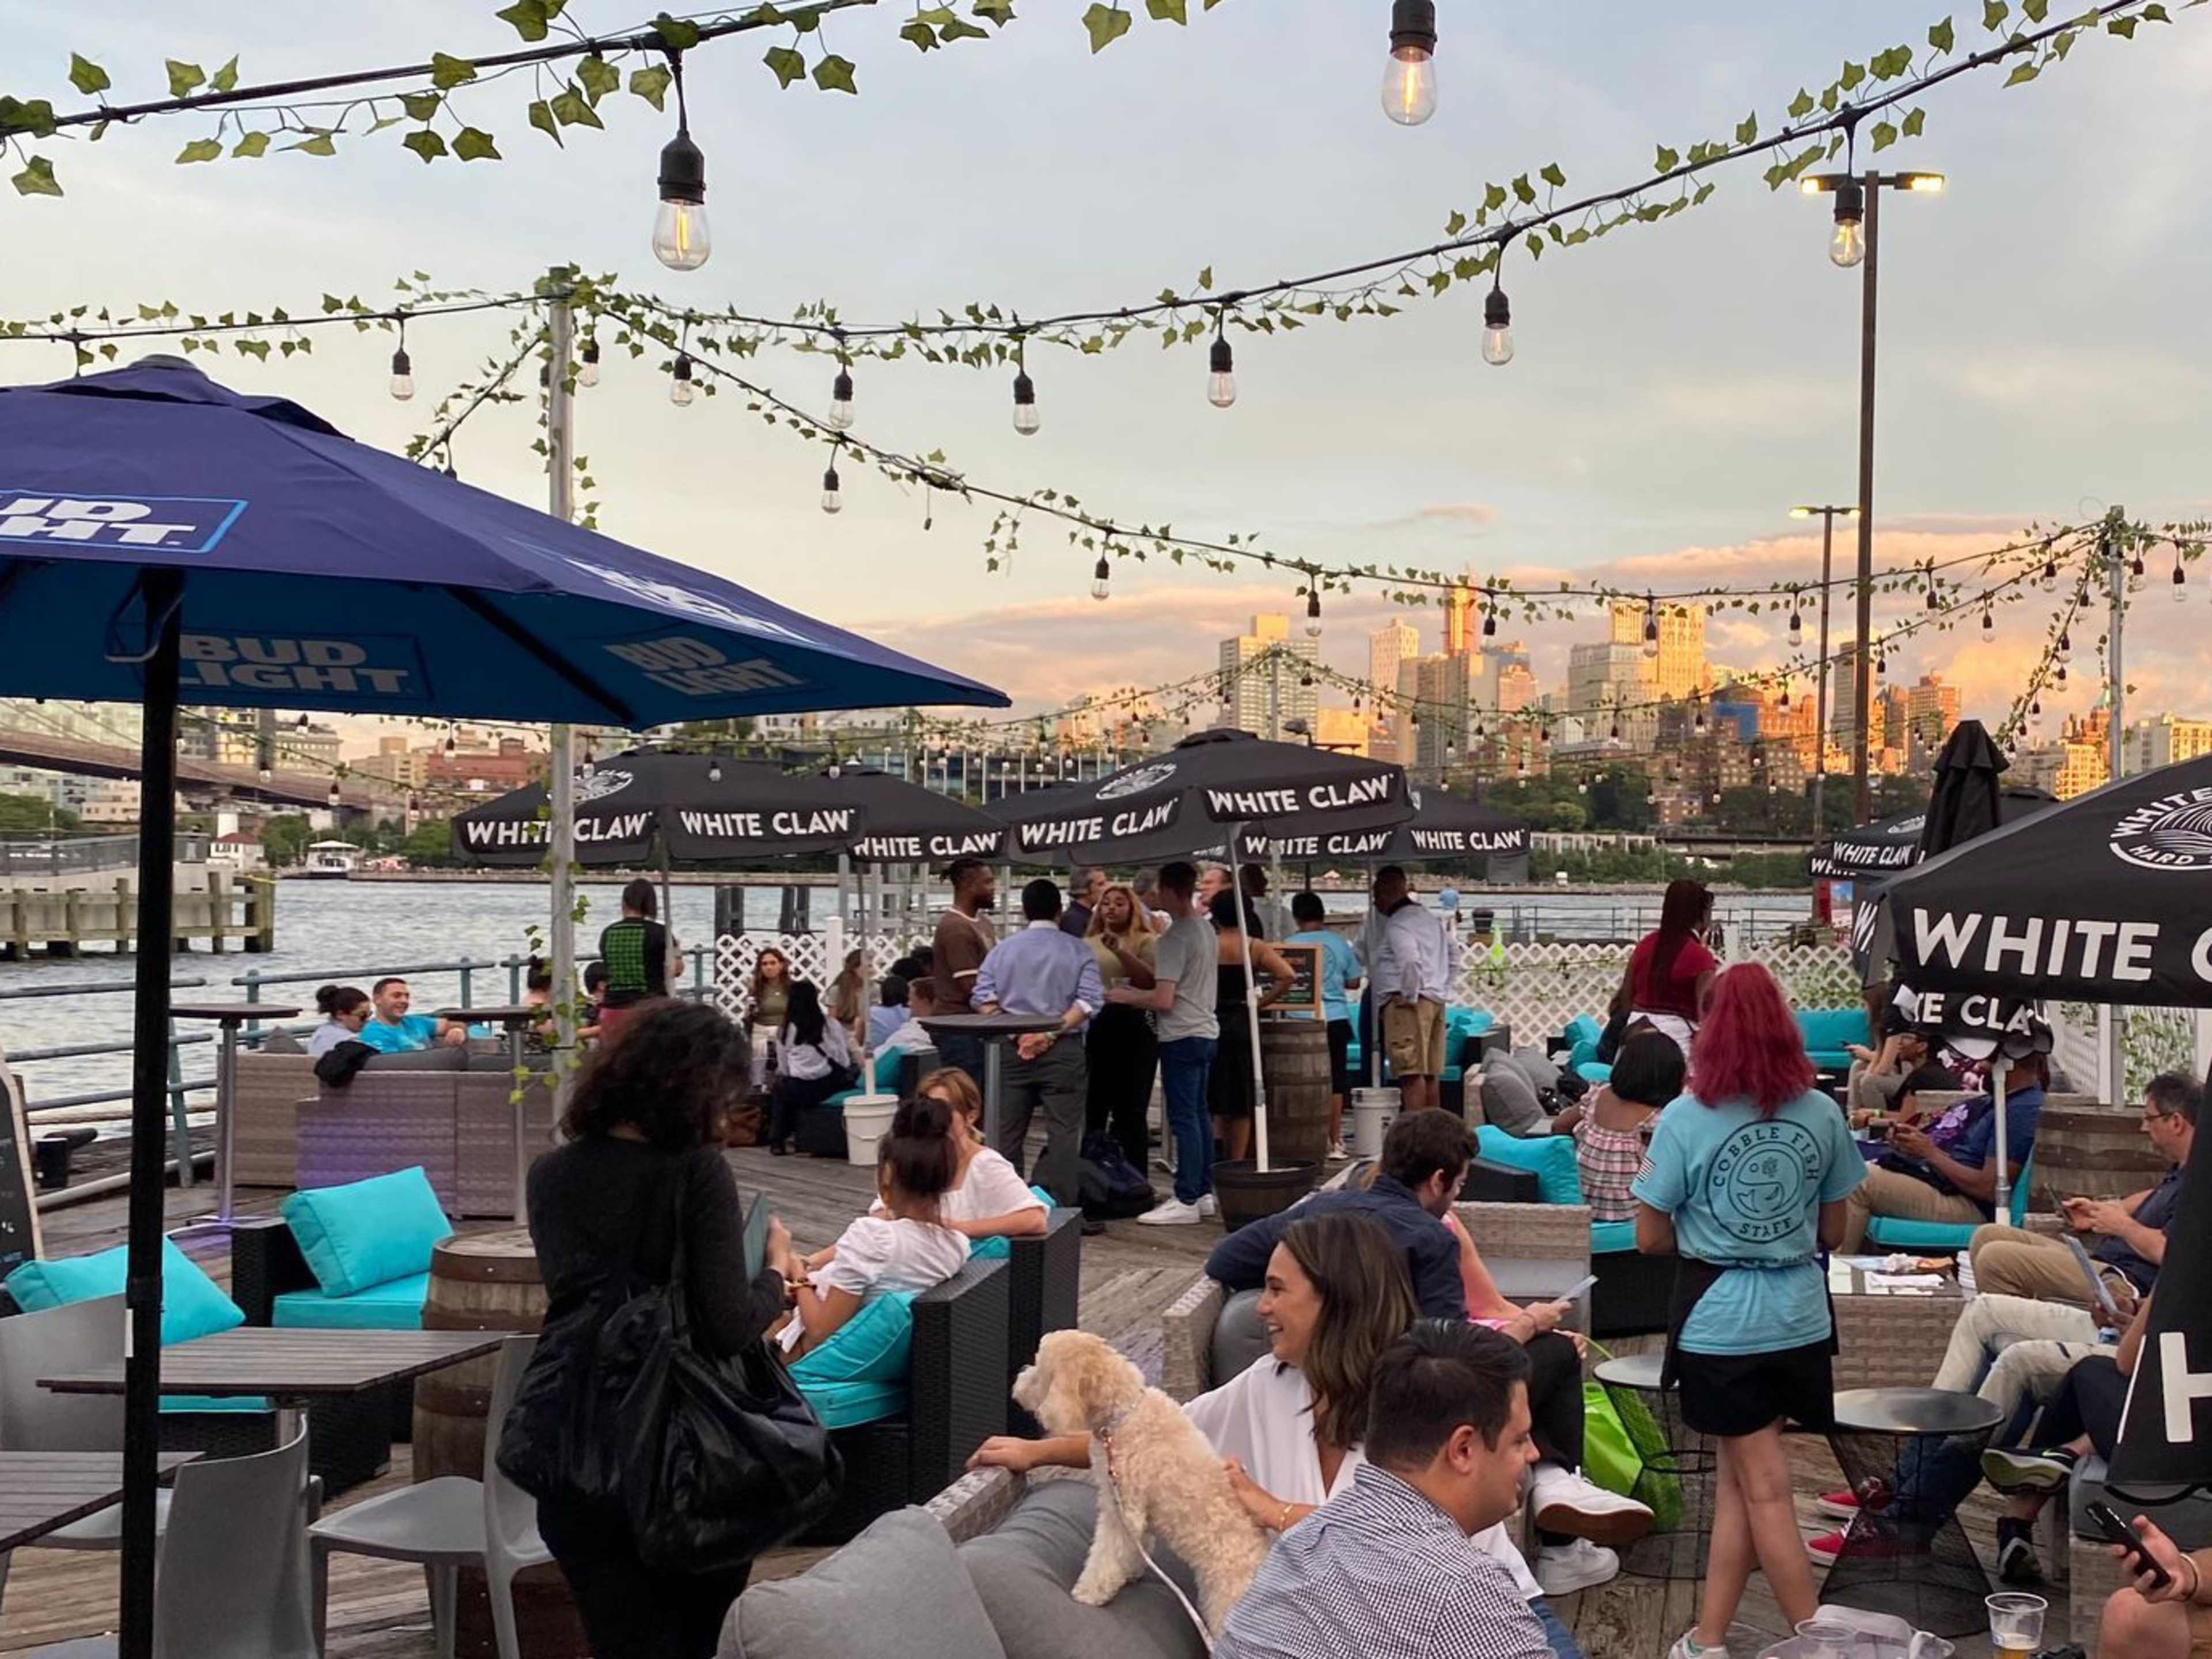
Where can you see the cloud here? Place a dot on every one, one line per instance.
(1473, 513)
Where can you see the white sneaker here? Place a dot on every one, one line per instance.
(1566, 1502)
(1688, 1648)
(1563, 1568)
(1172, 1213)
(1337, 1151)
(1209, 1206)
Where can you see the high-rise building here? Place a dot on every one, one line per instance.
(1387, 646)
(1680, 668)
(1341, 730)
(1611, 684)
(1843, 698)
(117, 725)
(1442, 686)
(1517, 686)
(2162, 740)
(1260, 700)
(1459, 617)
(1931, 710)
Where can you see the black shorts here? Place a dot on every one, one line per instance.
(1728, 1394)
(1340, 1057)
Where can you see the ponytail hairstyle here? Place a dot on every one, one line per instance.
(925, 1117)
(331, 1001)
(919, 1168)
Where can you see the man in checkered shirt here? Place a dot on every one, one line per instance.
(1384, 1569)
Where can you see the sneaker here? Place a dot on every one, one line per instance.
(1173, 1213)
(1837, 1506)
(1338, 1152)
(2017, 1562)
(1688, 1648)
(1209, 1206)
(1563, 1568)
(1883, 1546)
(1566, 1502)
(2028, 1471)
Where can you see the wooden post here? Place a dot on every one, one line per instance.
(68, 943)
(218, 902)
(122, 915)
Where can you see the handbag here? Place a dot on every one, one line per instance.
(712, 1461)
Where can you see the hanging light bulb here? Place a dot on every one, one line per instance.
(1651, 624)
(1409, 78)
(1026, 420)
(1934, 604)
(1616, 731)
(2135, 575)
(414, 803)
(833, 500)
(2059, 674)
(452, 744)
(334, 792)
(588, 365)
(1581, 785)
(1697, 718)
(402, 368)
(2048, 580)
(1100, 577)
(714, 769)
(1796, 626)
(1989, 624)
(2065, 652)
(680, 237)
(300, 724)
(679, 381)
(1784, 704)
(1847, 247)
(1880, 665)
(2180, 579)
(1497, 323)
(841, 402)
(1221, 368)
(1313, 612)
(1490, 620)
(266, 775)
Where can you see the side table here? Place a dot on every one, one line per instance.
(1677, 1484)
(228, 1017)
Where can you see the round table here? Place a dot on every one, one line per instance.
(1910, 1456)
(1677, 1483)
(993, 1031)
(228, 1016)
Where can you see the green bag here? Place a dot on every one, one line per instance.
(1624, 1452)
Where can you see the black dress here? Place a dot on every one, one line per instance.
(1231, 1090)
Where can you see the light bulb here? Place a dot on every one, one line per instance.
(1497, 330)
(841, 402)
(1221, 380)
(2135, 575)
(2048, 580)
(403, 376)
(833, 500)
(681, 239)
(1990, 621)
(1409, 77)
(266, 775)
(587, 372)
(679, 381)
(713, 771)
(1026, 419)
(1796, 631)
(1847, 247)
(300, 724)
(1313, 615)
(1100, 578)
(2180, 584)
(334, 794)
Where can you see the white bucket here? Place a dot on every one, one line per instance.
(867, 1120)
(1373, 1112)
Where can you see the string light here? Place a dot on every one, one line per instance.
(2063, 653)
(1650, 623)
(2180, 578)
(679, 381)
(1100, 577)
(1934, 604)
(1313, 612)
(402, 368)
(300, 724)
(2135, 575)
(587, 372)
(840, 414)
(1490, 618)
(1026, 419)
(1847, 247)
(1797, 624)
(2049, 580)
(1221, 376)
(1497, 316)
(714, 770)
(1409, 77)
(833, 500)
(1989, 622)
(334, 792)
(681, 239)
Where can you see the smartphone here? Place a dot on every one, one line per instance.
(2119, 1532)
(1576, 1289)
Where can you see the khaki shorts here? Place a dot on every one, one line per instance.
(1413, 1037)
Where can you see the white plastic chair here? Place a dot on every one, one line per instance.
(448, 1523)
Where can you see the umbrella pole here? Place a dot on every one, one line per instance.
(560, 475)
(1251, 1002)
(2004, 1168)
(668, 911)
(149, 1080)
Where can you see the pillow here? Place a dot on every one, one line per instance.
(876, 1345)
(1613, 1237)
(898, 1588)
(1025, 1567)
(394, 1305)
(1240, 1340)
(887, 1070)
(281, 1042)
(998, 1246)
(1508, 1103)
(1583, 1028)
(850, 1405)
(191, 1303)
(367, 1232)
(1539, 1068)
(1550, 1157)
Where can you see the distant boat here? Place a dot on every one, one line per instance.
(331, 860)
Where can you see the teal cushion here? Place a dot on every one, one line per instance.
(394, 1305)
(1893, 1234)
(192, 1304)
(874, 1345)
(1583, 1028)
(367, 1232)
(1558, 1177)
(1833, 1030)
(887, 1070)
(1594, 1072)
(1585, 1052)
(1613, 1237)
(998, 1247)
(848, 1405)
(181, 1403)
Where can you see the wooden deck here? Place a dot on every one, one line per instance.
(379, 1610)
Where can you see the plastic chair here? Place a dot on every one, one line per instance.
(446, 1524)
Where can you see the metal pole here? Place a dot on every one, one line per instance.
(1251, 999)
(163, 593)
(2003, 1206)
(560, 470)
(1862, 785)
(1820, 712)
(2114, 1028)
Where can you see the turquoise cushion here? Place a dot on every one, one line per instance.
(367, 1232)
(210, 1402)
(1594, 1072)
(874, 1345)
(1583, 1028)
(887, 1070)
(394, 1305)
(848, 1405)
(1611, 1238)
(1558, 1177)
(998, 1247)
(191, 1303)
(1833, 1030)
(1893, 1233)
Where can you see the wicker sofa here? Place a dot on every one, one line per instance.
(459, 1125)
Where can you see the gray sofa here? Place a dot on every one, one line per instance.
(448, 1111)
(2092, 1573)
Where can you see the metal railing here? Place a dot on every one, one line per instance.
(179, 1087)
(77, 855)
(464, 969)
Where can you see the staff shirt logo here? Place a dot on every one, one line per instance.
(1137, 780)
(2174, 832)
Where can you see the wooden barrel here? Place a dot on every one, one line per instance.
(2091, 1152)
(1294, 1065)
(486, 1282)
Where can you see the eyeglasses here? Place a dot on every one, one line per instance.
(2157, 1117)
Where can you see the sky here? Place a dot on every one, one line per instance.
(1676, 387)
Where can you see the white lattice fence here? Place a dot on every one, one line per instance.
(2152, 1040)
(807, 953)
(1538, 987)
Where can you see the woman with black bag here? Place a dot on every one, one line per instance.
(638, 1211)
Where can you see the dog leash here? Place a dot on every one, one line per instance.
(1105, 1437)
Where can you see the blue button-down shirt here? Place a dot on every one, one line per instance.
(1040, 972)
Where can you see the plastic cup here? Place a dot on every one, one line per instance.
(1825, 1638)
(2017, 1623)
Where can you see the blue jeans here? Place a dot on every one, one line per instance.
(1183, 1065)
(1561, 1639)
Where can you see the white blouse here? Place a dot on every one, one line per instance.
(876, 1253)
(992, 1187)
(1263, 1418)
(806, 1061)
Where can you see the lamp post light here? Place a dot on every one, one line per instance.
(1827, 515)
(1857, 242)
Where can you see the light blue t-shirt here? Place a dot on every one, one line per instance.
(1338, 964)
(1745, 1191)
(413, 1032)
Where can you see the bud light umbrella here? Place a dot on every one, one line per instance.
(164, 539)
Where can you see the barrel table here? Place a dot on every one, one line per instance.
(486, 1282)
(1294, 1069)
(2091, 1152)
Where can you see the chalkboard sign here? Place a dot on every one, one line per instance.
(1305, 996)
(19, 1211)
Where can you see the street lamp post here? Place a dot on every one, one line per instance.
(1858, 198)
(1827, 515)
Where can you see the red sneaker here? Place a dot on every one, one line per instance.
(1824, 1549)
(1837, 1506)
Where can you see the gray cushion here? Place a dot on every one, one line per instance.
(897, 1588)
(418, 1060)
(1024, 1569)
(1239, 1338)
(1508, 1100)
(1539, 1068)
(281, 1042)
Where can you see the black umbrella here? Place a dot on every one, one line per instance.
(1879, 848)
(2166, 1430)
(1442, 827)
(1973, 1024)
(1963, 803)
(909, 825)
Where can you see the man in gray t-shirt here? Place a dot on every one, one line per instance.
(1185, 976)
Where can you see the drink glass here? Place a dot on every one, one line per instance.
(1925, 1646)
(1825, 1638)
(2016, 1624)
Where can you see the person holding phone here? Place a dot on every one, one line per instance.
(2164, 1610)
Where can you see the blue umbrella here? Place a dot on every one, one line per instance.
(163, 537)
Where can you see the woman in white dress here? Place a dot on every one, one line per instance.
(989, 1199)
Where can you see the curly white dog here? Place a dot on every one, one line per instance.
(1157, 1475)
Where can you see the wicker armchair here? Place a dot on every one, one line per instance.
(264, 1117)
(1044, 1282)
(459, 1126)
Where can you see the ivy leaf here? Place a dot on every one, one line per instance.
(226, 78)
(2036, 10)
(200, 149)
(34, 116)
(1852, 75)
(37, 178)
(252, 146)
(651, 84)
(1993, 13)
(2024, 72)
(1914, 121)
(1666, 161)
(2122, 26)
(835, 74)
(1801, 106)
(571, 111)
(1165, 11)
(475, 144)
(675, 34)
(1747, 129)
(787, 64)
(1525, 191)
(528, 17)
(1456, 224)
(1106, 24)
(541, 117)
(1493, 198)
(446, 73)
(598, 77)
(425, 144)
(1553, 176)
(959, 28)
(1000, 12)
(1941, 36)
(86, 76)
(183, 78)
(923, 36)
(1206, 277)
(321, 144)
(1885, 135)
(419, 105)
